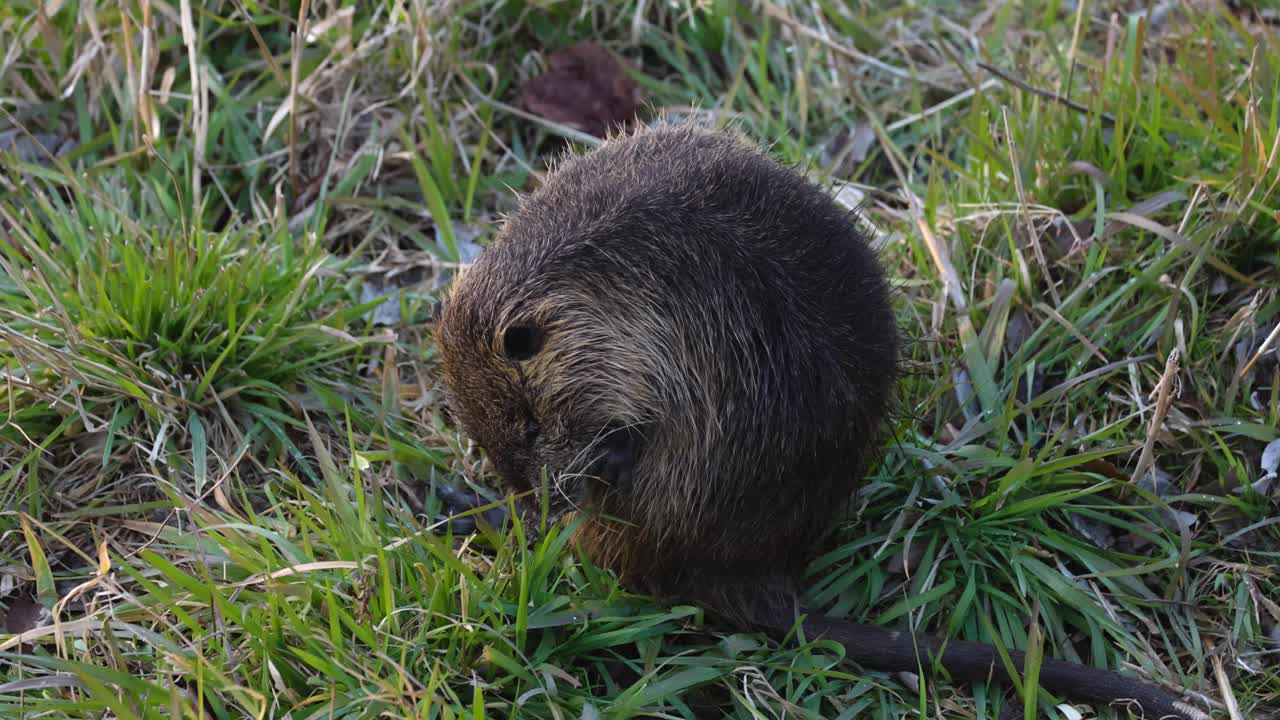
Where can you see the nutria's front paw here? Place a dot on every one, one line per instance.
(456, 502)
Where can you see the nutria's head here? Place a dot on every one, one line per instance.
(548, 348)
(537, 373)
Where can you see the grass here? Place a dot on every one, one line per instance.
(218, 443)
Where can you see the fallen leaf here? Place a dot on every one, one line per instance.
(847, 149)
(1067, 237)
(585, 88)
(1104, 468)
(1070, 713)
(964, 393)
(464, 237)
(1271, 458)
(386, 312)
(1018, 331)
(1160, 484)
(904, 562)
(910, 680)
(1270, 469)
(1157, 482)
(1098, 534)
(42, 682)
(738, 644)
(24, 614)
(35, 148)
(851, 198)
(1073, 237)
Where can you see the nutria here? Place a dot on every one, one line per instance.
(698, 346)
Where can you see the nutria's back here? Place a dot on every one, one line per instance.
(698, 325)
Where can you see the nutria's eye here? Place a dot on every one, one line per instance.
(521, 342)
(532, 429)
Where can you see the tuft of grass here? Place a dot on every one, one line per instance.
(134, 339)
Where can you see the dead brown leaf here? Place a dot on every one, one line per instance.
(847, 149)
(24, 614)
(586, 88)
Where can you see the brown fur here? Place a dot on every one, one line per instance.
(698, 346)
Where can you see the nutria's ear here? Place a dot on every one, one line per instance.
(521, 342)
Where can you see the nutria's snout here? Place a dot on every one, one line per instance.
(600, 465)
(622, 446)
(615, 453)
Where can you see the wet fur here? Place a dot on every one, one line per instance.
(715, 357)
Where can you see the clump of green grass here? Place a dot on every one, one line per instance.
(140, 333)
(336, 601)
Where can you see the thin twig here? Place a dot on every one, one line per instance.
(1262, 350)
(953, 100)
(1049, 95)
(1162, 394)
(562, 130)
(295, 70)
(1224, 688)
(852, 53)
(940, 253)
(199, 102)
(1032, 238)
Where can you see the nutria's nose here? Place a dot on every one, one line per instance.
(513, 471)
(622, 445)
